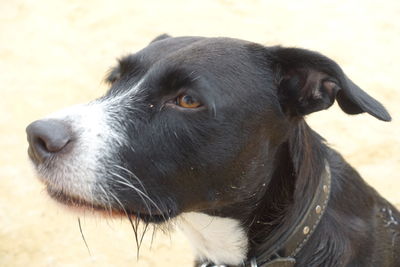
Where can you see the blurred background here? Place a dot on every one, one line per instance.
(55, 53)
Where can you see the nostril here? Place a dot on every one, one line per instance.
(51, 142)
(49, 145)
(47, 137)
(40, 143)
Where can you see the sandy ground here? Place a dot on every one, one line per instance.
(55, 53)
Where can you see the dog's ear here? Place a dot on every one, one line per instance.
(160, 37)
(113, 74)
(309, 82)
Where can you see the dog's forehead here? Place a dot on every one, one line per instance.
(193, 50)
(224, 63)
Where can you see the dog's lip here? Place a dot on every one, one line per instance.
(75, 201)
(79, 204)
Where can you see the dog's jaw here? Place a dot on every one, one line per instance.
(215, 239)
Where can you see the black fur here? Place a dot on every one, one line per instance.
(247, 152)
(253, 132)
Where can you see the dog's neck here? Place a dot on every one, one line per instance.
(300, 162)
(300, 166)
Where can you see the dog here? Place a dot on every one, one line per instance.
(210, 133)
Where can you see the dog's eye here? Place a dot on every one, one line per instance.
(187, 101)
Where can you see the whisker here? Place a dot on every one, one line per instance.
(133, 175)
(127, 183)
(130, 220)
(152, 236)
(119, 202)
(134, 228)
(149, 203)
(143, 233)
(83, 237)
(108, 199)
(137, 221)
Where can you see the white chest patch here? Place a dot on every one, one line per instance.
(217, 239)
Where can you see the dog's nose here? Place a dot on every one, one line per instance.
(46, 138)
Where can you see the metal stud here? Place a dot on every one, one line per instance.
(306, 230)
(325, 187)
(318, 209)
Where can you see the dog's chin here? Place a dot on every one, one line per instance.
(81, 206)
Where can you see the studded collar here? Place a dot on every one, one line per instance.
(290, 247)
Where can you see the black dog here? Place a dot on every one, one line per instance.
(210, 133)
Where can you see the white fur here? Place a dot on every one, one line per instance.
(96, 132)
(216, 239)
(75, 173)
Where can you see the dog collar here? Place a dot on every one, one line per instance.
(289, 248)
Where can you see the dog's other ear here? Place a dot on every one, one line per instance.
(113, 74)
(309, 82)
(160, 37)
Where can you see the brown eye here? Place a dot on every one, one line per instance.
(187, 101)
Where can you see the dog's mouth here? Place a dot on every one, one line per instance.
(108, 210)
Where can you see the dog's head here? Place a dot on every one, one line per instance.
(188, 124)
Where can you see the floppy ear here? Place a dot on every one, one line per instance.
(160, 37)
(309, 82)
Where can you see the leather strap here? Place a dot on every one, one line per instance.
(310, 221)
(300, 235)
(281, 262)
